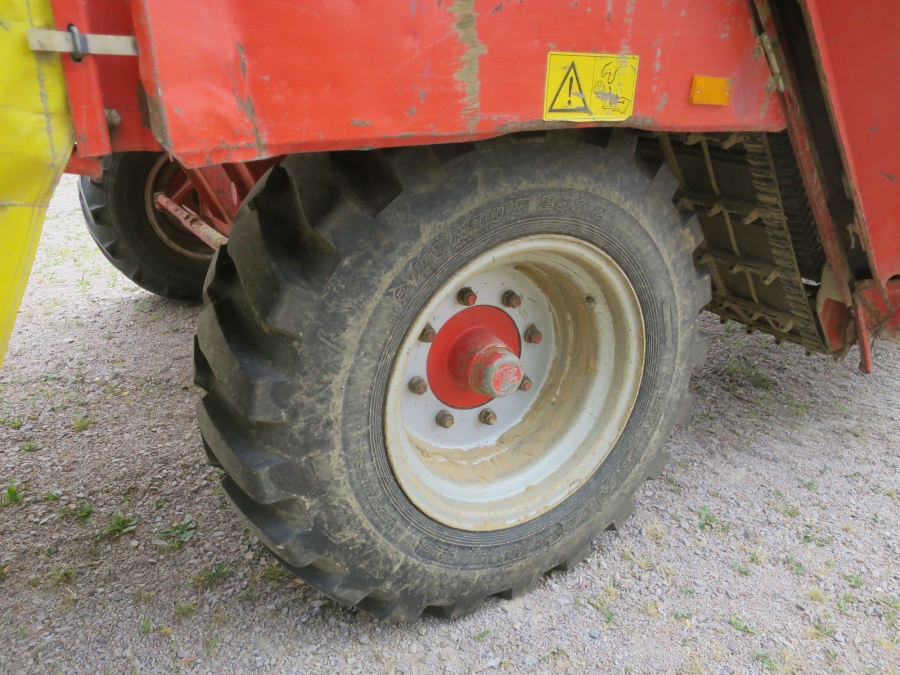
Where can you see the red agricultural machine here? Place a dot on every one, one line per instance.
(452, 252)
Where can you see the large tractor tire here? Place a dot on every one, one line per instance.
(435, 374)
(148, 246)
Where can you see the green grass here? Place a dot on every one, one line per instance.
(707, 520)
(13, 494)
(30, 447)
(741, 626)
(740, 569)
(796, 567)
(821, 630)
(183, 609)
(53, 496)
(83, 510)
(82, 423)
(120, 524)
(843, 605)
(62, 575)
(766, 660)
(212, 576)
(855, 580)
(482, 635)
(274, 573)
(180, 532)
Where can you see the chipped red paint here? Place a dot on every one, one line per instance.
(836, 322)
(286, 77)
(83, 85)
(85, 166)
(879, 310)
(859, 58)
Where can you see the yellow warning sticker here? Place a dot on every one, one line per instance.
(584, 87)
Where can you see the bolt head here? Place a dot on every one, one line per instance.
(533, 335)
(770, 87)
(428, 334)
(467, 297)
(526, 384)
(444, 419)
(487, 416)
(757, 52)
(512, 300)
(418, 386)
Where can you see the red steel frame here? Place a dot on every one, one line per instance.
(224, 82)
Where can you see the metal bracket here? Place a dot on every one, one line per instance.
(77, 44)
(777, 79)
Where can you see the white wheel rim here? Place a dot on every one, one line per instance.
(549, 440)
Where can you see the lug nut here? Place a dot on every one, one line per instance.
(418, 386)
(428, 334)
(467, 297)
(487, 416)
(533, 335)
(444, 419)
(525, 384)
(512, 300)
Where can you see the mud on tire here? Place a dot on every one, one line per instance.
(329, 262)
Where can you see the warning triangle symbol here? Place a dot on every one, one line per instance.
(569, 96)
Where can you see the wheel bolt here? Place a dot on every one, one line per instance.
(487, 416)
(418, 386)
(525, 384)
(512, 300)
(467, 297)
(533, 335)
(428, 334)
(444, 419)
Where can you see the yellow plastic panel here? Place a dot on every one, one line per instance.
(36, 140)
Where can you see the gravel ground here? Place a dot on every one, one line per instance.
(769, 543)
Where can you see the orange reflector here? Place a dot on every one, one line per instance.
(710, 90)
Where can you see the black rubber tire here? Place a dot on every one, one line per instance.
(116, 216)
(304, 315)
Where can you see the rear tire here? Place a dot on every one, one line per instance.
(118, 214)
(308, 307)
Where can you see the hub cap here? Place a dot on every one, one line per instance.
(512, 451)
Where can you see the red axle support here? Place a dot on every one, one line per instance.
(191, 221)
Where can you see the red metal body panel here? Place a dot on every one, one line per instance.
(83, 85)
(266, 78)
(100, 83)
(120, 78)
(859, 54)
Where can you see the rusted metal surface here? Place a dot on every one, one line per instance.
(858, 56)
(801, 141)
(192, 221)
(880, 308)
(288, 77)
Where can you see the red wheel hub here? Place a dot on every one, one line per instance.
(475, 358)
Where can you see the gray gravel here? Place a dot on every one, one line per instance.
(770, 542)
